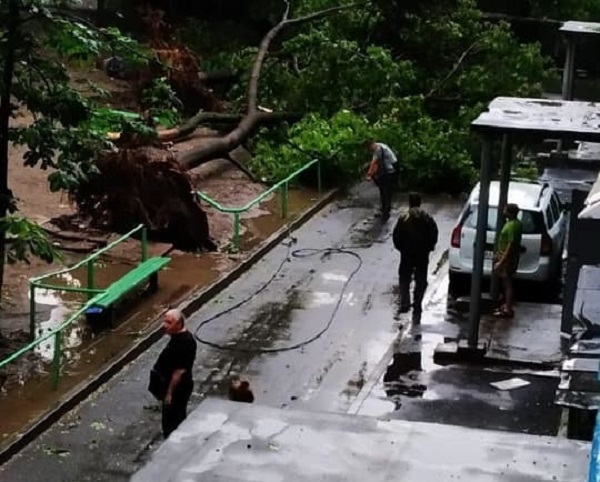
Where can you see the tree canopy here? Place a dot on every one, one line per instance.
(411, 73)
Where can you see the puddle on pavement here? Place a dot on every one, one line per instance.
(412, 365)
(267, 219)
(54, 307)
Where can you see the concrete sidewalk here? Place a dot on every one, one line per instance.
(224, 441)
(110, 435)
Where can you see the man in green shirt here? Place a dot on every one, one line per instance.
(506, 260)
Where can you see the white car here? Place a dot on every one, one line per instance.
(544, 232)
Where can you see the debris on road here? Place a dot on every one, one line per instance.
(510, 384)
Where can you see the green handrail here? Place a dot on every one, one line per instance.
(56, 333)
(90, 289)
(282, 185)
(94, 295)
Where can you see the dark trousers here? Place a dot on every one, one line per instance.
(176, 412)
(385, 183)
(413, 265)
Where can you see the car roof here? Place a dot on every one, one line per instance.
(524, 194)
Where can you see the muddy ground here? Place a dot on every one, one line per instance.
(35, 200)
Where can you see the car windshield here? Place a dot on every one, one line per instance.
(532, 221)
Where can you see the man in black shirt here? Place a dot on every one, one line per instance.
(175, 365)
(415, 236)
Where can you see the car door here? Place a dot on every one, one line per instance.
(531, 242)
(468, 235)
(467, 238)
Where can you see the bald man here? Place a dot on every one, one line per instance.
(175, 364)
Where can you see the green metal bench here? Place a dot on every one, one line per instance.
(146, 270)
(100, 301)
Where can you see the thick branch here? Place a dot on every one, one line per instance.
(260, 58)
(268, 38)
(216, 119)
(221, 146)
(192, 123)
(254, 118)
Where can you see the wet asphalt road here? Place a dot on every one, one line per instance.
(112, 434)
(414, 388)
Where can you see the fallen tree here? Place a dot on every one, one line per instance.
(150, 185)
(254, 117)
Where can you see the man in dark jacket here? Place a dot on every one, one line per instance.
(415, 236)
(175, 363)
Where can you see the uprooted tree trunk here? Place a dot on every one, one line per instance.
(143, 185)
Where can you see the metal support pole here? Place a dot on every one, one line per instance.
(56, 360)
(505, 165)
(144, 244)
(569, 70)
(480, 239)
(31, 312)
(90, 278)
(319, 179)
(236, 231)
(284, 200)
(573, 262)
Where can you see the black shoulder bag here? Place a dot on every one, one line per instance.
(158, 384)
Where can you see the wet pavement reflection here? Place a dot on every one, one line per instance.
(415, 388)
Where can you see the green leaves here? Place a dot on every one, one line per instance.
(337, 140)
(433, 153)
(315, 72)
(162, 103)
(74, 40)
(68, 131)
(413, 74)
(24, 239)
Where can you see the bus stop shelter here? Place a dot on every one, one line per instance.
(521, 120)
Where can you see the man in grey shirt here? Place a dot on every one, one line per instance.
(383, 170)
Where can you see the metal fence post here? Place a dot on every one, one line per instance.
(319, 179)
(56, 359)
(284, 200)
(90, 278)
(144, 244)
(480, 240)
(236, 231)
(31, 312)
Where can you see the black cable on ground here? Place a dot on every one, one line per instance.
(298, 254)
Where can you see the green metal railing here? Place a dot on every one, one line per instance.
(282, 186)
(94, 294)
